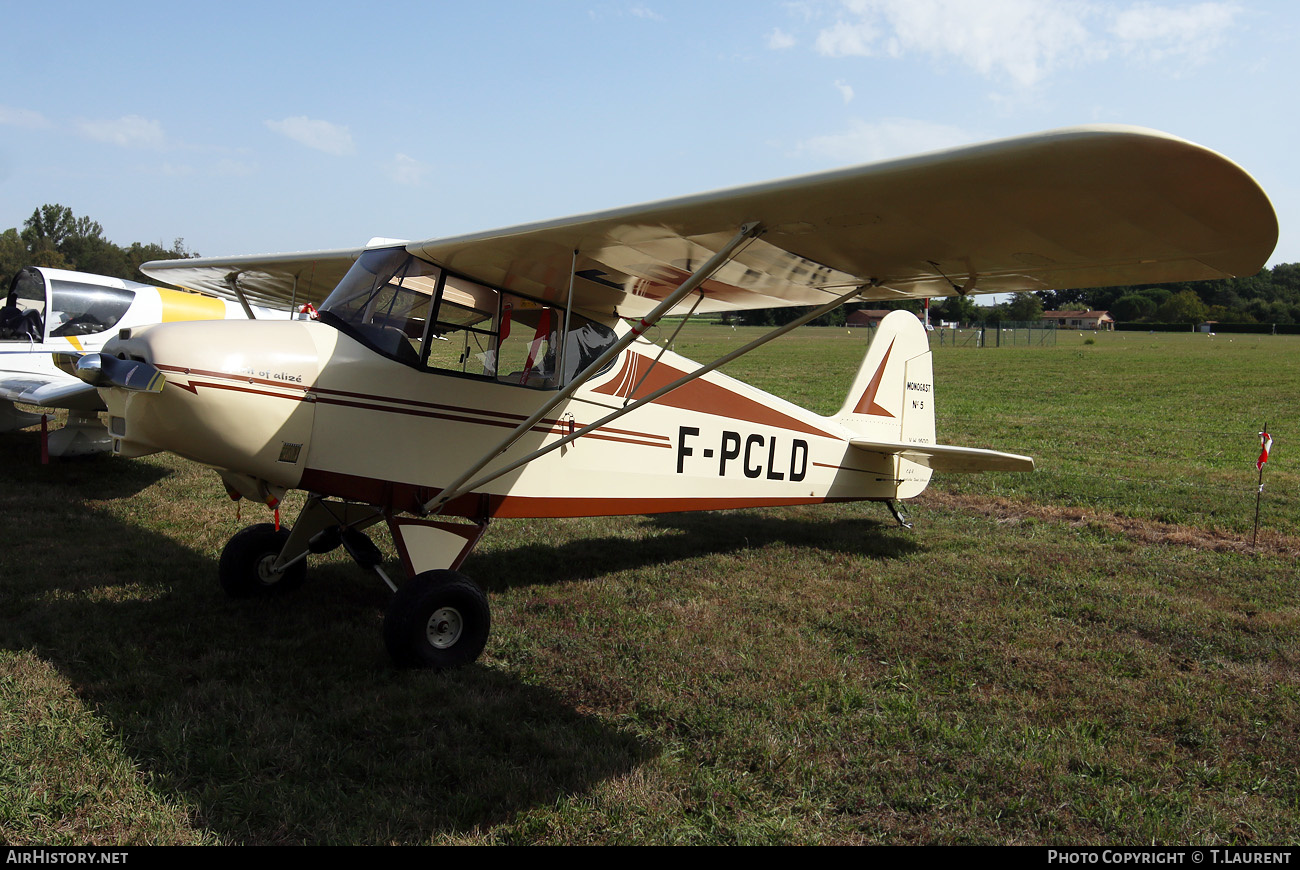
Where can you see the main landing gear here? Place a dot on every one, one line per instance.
(437, 619)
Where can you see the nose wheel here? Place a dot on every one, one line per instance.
(246, 567)
(438, 619)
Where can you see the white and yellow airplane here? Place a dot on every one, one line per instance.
(52, 310)
(453, 381)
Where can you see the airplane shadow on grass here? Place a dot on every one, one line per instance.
(277, 721)
(690, 536)
(282, 721)
(94, 477)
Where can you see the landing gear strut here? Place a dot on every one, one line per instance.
(898, 513)
(437, 619)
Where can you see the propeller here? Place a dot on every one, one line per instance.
(106, 370)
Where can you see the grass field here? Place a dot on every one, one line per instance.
(1091, 654)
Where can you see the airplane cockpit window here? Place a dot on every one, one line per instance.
(421, 315)
(22, 318)
(83, 309)
(383, 301)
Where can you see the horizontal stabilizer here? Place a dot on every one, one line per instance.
(942, 457)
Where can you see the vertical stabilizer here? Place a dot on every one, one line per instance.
(892, 398)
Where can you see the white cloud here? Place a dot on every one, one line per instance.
(779, 40)
(645, 12)
(1155, 33)
(893, 137)
(25, 118)
(406, 170)
(129, 131)
(1024, 41)
(845, 89)
(321, 135)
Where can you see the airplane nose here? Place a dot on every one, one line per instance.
(104, 370)
(234, 395)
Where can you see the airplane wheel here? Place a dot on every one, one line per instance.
(438, 620)
(245, 567)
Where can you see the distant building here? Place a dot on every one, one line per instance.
(1080, 319)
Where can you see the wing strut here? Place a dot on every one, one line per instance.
(746, 233)
(232, 281)
(664, 349)
(448, 494)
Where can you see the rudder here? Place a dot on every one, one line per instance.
(892, 397)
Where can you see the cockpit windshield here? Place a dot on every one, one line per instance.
(75, 307)
(426, 317)
(79, 308)
(23, 315)
(384, 301)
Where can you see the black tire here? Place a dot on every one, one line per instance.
(245, 564)
(437, 620)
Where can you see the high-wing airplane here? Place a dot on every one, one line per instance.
(505, 374)
(52, 310)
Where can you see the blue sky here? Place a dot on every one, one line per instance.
(264, 127)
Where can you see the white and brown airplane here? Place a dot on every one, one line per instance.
(48, 311)
(505, 374)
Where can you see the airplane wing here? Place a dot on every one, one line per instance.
(270, 280)
(50, 391)
(1081, 207)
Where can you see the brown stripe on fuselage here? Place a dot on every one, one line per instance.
(698, 395)
(408, 407)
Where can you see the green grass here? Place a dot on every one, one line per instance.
(1091, 654)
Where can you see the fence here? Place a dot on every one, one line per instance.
(1005, 334)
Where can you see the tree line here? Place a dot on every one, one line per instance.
(1269, 296)
(53, 236)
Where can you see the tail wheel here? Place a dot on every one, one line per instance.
(245, 567)
(437, 620)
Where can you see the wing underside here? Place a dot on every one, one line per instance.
(1089, 206)
(50, 392)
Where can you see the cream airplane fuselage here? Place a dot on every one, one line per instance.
(303, 405)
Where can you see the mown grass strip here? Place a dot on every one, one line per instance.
(1088, 654)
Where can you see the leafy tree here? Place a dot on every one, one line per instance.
(1183, 307)
(1132, 306)
(13, 256)
(1062, 300)
(55, 237)
(139, 254)
(960, 309)
(1024, 307)
(48, 229)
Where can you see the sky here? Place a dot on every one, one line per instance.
(247, 128)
